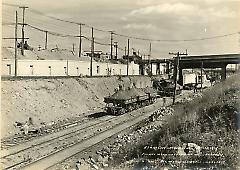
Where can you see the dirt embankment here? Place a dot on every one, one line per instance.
(203, 132)
(47, 100)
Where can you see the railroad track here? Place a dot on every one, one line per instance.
(9, 142)
(57, 134)
(48, 152)
(22, 155)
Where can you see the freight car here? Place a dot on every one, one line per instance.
(127, 100)
(166, 87)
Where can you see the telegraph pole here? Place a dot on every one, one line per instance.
(127, 56)
(23, 24)
(16, 44)
(201, 74)
(116, 46)
(46, 39)
(73, 48)
(80, 39)
(176, 68)
(92, 53)
(150, 51)
(125, 51)
(111, 42)
(149, 56)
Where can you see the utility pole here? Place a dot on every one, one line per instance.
(111, 42)
(127, 56)
(201, 74)
(116, 46)
(23, 24)
(176, 68)
(92, 53)
(150, 51)
(125, 51)
(80, 39)
(16, 26)
(73, 49)
(46, 39)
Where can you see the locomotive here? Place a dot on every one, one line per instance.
(126, 100)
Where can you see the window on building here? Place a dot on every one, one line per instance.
(65, 70)
(31, 69)
(50, 70)
(77, 71)
(9, 69)
(98, 69)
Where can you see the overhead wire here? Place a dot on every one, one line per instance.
(127, 36)
(177, 40)
(66, 35)
(55, 26)
(51, 32)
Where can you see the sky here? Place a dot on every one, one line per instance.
(148, 19)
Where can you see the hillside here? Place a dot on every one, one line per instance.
(203, 132)
(47, 100)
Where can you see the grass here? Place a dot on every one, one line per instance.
(209, 121)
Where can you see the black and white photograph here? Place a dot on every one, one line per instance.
(120, 85)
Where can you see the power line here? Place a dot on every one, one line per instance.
(12, 5)
(58, 19)
(139, 38)
(66, 35)
(127, 36)
(51, 32)
(176, 40)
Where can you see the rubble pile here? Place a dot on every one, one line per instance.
(107, 153)
(160, 113)
(190, 98)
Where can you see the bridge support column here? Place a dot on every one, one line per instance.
(151, 68)
(142, 69)
(158, 69)
(224, 72)
(180, 77)
(167, 68)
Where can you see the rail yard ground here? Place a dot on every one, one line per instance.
(206, 120)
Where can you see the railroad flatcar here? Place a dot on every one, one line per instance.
(166, 87)
(126, 100)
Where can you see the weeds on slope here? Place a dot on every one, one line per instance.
(210, 122)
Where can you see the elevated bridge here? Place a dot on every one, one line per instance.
(208, 61)
(191, 62)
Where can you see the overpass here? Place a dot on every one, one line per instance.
(207, 61)
(191, 62)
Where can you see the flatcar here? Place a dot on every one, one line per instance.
(126, 100)
(166, 87)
